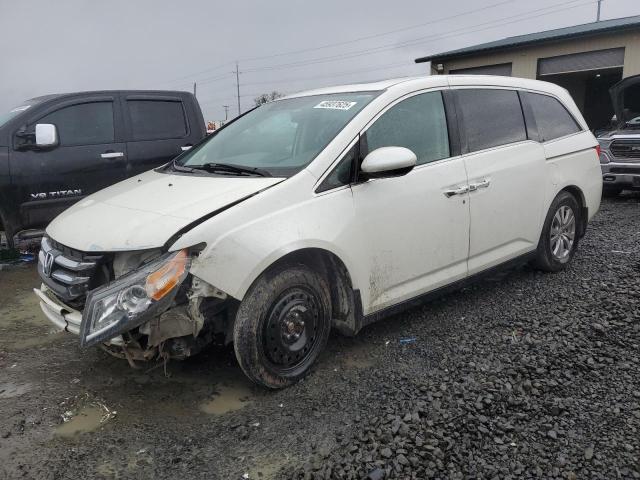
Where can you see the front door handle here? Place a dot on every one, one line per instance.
(112, 155)
(456, 191)
(484, 183)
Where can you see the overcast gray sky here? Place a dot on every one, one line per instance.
(286, 45)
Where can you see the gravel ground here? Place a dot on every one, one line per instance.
(525, 375)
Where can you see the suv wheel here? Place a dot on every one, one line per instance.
(559, 238)
(282, 325)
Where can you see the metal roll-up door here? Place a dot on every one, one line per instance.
(503, 69)
(580, 62)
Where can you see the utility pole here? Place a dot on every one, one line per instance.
(599, 9)
(194, 88)
(237, 72)
(226, 112)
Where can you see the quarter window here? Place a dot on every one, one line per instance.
(491, 117)
(342, 173)
(83, 124)
(418, 123)
(552, 118)
(156, 119)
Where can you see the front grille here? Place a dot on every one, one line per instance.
(626, 148)
(71, 274)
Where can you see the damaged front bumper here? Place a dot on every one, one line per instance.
(63, 316)
(155, 310)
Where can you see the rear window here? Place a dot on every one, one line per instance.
(156, 119)
(491, 117)
(552, 118)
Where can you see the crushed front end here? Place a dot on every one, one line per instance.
(138, 305)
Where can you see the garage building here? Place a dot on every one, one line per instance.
(585, 59)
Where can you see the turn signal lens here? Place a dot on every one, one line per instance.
(165, 279)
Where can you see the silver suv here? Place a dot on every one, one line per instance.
(620, 147)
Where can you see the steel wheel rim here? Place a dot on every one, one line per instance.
(293, 329)
(563, 233)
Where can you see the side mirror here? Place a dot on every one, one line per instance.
(388, 162)
(46, 135)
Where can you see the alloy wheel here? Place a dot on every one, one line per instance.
(563, 233)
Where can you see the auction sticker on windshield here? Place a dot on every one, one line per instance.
(335, 104)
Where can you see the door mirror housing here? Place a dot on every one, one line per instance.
(46, 135)
(387, 162)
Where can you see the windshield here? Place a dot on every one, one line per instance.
(5, 117)
(282, 137)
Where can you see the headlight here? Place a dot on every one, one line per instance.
(133, 299)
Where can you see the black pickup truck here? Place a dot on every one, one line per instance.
(57, 149)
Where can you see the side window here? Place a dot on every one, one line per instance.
(156, 119)
(342, 174)
(552, 118)
(418, 123)
(83, 124)
(491, 117)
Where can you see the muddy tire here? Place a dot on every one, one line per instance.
(559, 238)
(282, 325)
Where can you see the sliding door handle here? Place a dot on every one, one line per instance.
(456, 191)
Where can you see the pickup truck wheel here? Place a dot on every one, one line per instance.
(8, 230)
(282, 325)
(611, 191)
(559, 238)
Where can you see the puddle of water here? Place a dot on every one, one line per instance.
(358, 355)
(268, 467)
(107, 470)
(11, 390)
(227, 399)
(86, 420)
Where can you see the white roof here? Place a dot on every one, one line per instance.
(432, 81)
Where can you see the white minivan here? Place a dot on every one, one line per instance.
(327, 209)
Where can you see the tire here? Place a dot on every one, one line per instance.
(282, 325)
(552, 256)
(8, 231)
(611, 191)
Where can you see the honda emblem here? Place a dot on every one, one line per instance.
(47, 265)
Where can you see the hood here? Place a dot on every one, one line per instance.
(145, 211)
(617, 96)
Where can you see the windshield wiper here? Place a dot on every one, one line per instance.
(229, 168)
(180, 168)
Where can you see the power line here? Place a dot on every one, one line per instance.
(427, 39)
(377, 35)
(346, 42)
(420, 40)
(462, 31)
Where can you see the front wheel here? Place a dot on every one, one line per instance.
(282, 325)
(559, 239)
